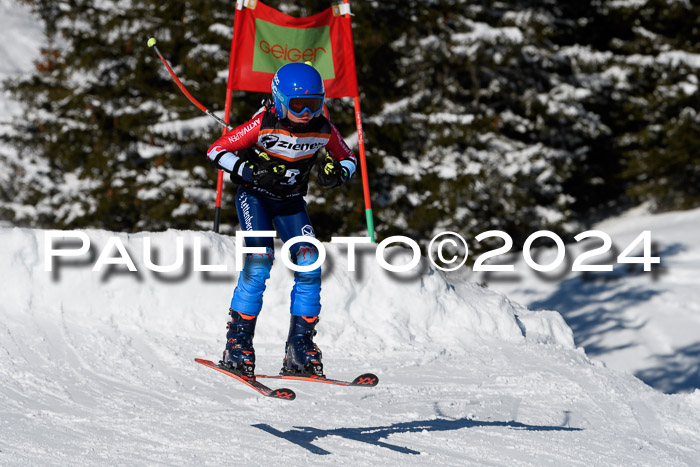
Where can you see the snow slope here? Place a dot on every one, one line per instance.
(648, 323)
(97, 369)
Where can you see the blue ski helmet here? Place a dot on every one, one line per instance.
(297, 88)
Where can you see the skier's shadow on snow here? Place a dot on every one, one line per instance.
(305, 436)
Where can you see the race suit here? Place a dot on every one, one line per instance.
(279, 204)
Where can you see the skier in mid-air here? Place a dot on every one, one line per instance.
(270, 157)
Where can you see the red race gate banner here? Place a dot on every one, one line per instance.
(264, 39)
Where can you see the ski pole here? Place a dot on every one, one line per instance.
(152, 43)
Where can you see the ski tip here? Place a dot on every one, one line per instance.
(283, 393)
(151, 42)
(368, 379)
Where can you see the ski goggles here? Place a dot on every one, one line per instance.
(299, 105)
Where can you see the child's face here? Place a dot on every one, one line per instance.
(303, 118)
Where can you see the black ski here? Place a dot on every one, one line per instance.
(367, 380)
(282, 393)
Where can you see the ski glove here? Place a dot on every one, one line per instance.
(260, 170)
(246, 176)
(331, 174)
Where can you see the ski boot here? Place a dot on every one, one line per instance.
(239, 355)
(302, 356)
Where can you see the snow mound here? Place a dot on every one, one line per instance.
(368, 308)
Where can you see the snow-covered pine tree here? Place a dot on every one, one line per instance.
(107, 139)
(521, 115)
(655, 100)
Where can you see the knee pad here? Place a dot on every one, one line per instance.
(247, 297)
(305, 256)
(268, 256)
(306, 293)
(259, 264)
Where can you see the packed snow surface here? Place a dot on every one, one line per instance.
(645, 323)
(98, 368)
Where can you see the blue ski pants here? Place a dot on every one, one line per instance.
(290, 219)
